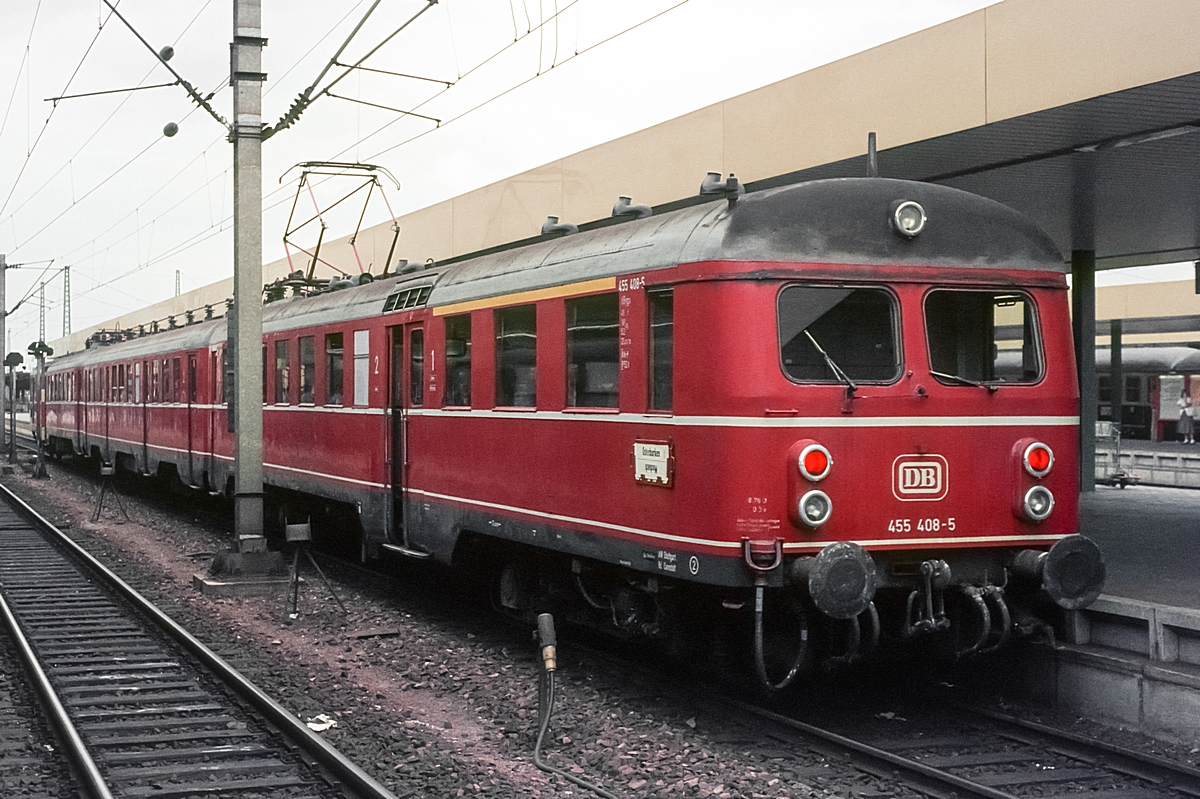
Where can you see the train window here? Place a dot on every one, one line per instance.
(516, 356)
(333, 369)
(416, 368)
(982, 337)
(662, 346)
(593, 352)
(176, 381)
(362, 365)
(120, 383)
(191, 389)
(282, 372)
(829, 335)
(308, 369)
(155, 378)
(458, 361)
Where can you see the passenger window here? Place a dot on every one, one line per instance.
(516, 356)
(333, 369)
(593, 352)
(362, 366)
(308, 369)
(416, 369)
(458, 361)
(829, 335)
(192, 378)
(982, 337)
(282, 372)
(662, 349)
(176, 380)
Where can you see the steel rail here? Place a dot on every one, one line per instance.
(314, 745)
(77, 752)
(890, 758)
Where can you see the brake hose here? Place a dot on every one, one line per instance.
(546, 640)
(760, 664)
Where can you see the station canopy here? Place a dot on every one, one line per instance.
(1116, 173)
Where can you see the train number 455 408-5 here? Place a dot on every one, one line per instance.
(920, 525)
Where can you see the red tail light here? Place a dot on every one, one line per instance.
(815, 462)
(1038, 459)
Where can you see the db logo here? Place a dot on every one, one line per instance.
(920, 478)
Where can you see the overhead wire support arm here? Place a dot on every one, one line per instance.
(434, 120)
(446, 83)
(191, 90)
(109, 91)
(311, 94)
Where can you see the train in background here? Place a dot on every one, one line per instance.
(802, 420)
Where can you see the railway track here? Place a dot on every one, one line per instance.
(966, 752)
(140, 707)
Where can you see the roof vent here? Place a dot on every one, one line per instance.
(625, 207)
(552, 227)
(714, 185)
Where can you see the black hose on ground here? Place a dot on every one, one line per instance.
(546, 640)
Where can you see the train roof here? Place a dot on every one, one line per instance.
(843, 220)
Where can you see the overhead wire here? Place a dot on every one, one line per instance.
(46, 124)
(217, 140)
(187, 244)
(20, 68)
(443, 123)
(215, 228)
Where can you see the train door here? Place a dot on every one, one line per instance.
(140, 396)
(195, 420)
(405, 392)
(76, 380)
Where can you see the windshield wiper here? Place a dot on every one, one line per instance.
(851, 386)
(966, 381)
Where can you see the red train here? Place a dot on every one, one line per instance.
(831, 411)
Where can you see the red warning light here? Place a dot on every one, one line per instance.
(1038, 459)
(815, 462)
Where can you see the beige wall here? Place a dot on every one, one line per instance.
(1013, 58)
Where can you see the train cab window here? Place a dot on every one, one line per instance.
(333, 369)
(416, 368)
(458, 361)
(308, 369)
(982, 337)
(831, 334)
(516, 356)
(593, 352)
(283, 372)
(662, 346)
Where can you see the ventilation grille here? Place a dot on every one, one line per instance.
(403, 299)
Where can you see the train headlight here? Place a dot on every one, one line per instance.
(1038, 459)
(908, 218)
(815, 462)
(815, 507)
(1038, 503)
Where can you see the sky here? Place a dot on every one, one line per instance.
(94, 184)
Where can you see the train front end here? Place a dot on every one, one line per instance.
(913, 470)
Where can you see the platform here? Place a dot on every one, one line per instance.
(1163, 463)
